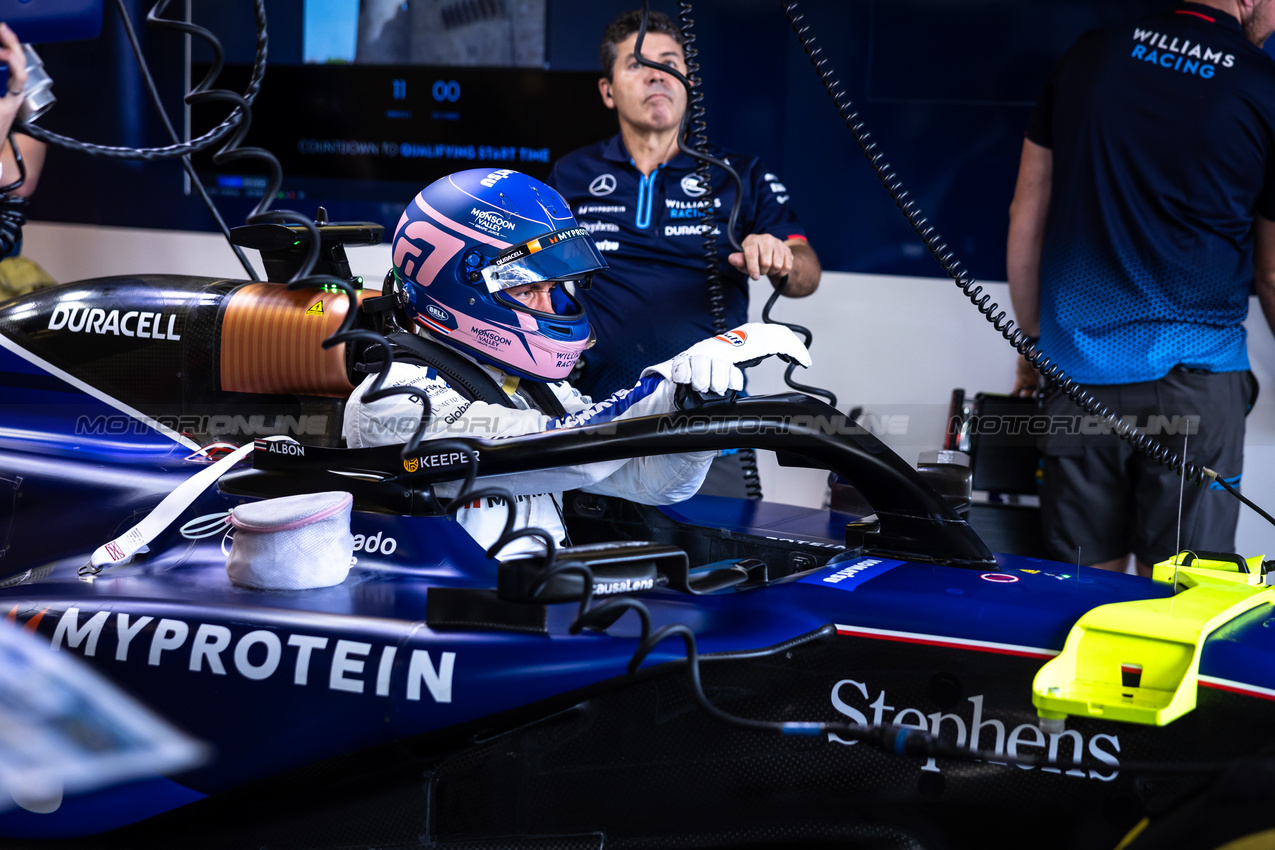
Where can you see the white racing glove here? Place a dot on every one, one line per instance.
(712, 366)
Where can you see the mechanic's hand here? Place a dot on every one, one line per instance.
(763, 255)
(1027, 381)
(11, 54)
(713, 365)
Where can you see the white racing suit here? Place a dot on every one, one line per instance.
(649, 480)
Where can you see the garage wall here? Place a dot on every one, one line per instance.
(896, 346)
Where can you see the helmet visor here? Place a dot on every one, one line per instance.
(562, 255)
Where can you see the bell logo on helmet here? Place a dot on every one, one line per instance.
(603, 184)
(438, 312)
(500, 174)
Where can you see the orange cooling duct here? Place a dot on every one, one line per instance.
(271, 341)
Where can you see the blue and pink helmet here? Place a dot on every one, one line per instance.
(469, 236)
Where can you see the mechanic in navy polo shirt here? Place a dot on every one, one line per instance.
(1144, 212)
(640, 199)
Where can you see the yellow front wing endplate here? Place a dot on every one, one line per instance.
(1139, 661)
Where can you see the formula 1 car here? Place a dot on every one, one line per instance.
(440, 698)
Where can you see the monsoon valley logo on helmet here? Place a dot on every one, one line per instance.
(492, 222)
(470, 236)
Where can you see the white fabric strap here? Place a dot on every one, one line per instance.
(166, 512)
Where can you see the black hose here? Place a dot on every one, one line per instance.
(1226, 485)
(900, 740)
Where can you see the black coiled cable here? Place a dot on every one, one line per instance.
(12, 208)
(695, 107)
(201, 93)
(467, 494)
(346, 333)
(699, 156)
(693, 123)
(189, 167)
(991, 311)
(806, 338)
(13, 214)
(696, 128)
(11, 218)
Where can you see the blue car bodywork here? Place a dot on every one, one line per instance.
(413, 704)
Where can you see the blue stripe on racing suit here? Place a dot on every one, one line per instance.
(612, 407)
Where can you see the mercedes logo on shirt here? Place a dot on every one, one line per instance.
(691, 186)
(603, 184)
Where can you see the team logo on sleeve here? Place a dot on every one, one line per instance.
(691, 186)
(603, 184)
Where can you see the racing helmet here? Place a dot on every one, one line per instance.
(468, 237)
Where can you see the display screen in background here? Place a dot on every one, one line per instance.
(350, 135)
